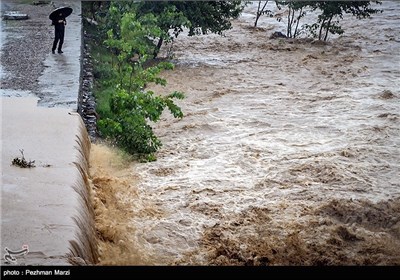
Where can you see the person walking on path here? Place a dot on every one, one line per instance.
(59, 29)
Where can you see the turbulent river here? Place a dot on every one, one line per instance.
(289, 153)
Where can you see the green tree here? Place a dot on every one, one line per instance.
(170, 20)
(129, 125)
(132, 44)
(93, 9)
(261, 10)
(296, 11)
(329, 15)
(332, 12)
(200, 17)
(132, 107)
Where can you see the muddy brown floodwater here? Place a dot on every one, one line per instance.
(288, 153)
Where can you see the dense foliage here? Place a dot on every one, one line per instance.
(172, 17)
(129, 35)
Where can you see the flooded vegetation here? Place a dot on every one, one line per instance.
(287, 154)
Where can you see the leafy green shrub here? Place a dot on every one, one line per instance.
(129, 124)
(126, 107)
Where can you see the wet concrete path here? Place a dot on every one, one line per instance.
(58, 84)
(60, 80)
(39, 205)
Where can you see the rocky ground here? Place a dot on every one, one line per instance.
(24, 51)
(26, 46)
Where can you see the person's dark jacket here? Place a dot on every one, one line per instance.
(58, 24)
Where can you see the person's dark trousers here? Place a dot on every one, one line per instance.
(59, 38)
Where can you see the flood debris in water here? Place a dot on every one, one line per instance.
(22, 162)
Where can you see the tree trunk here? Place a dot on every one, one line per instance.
(320, 30)
(259, 12)
(158, 47)
(289, 25)
(327, 29)
(256, 21)
(297, 24)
